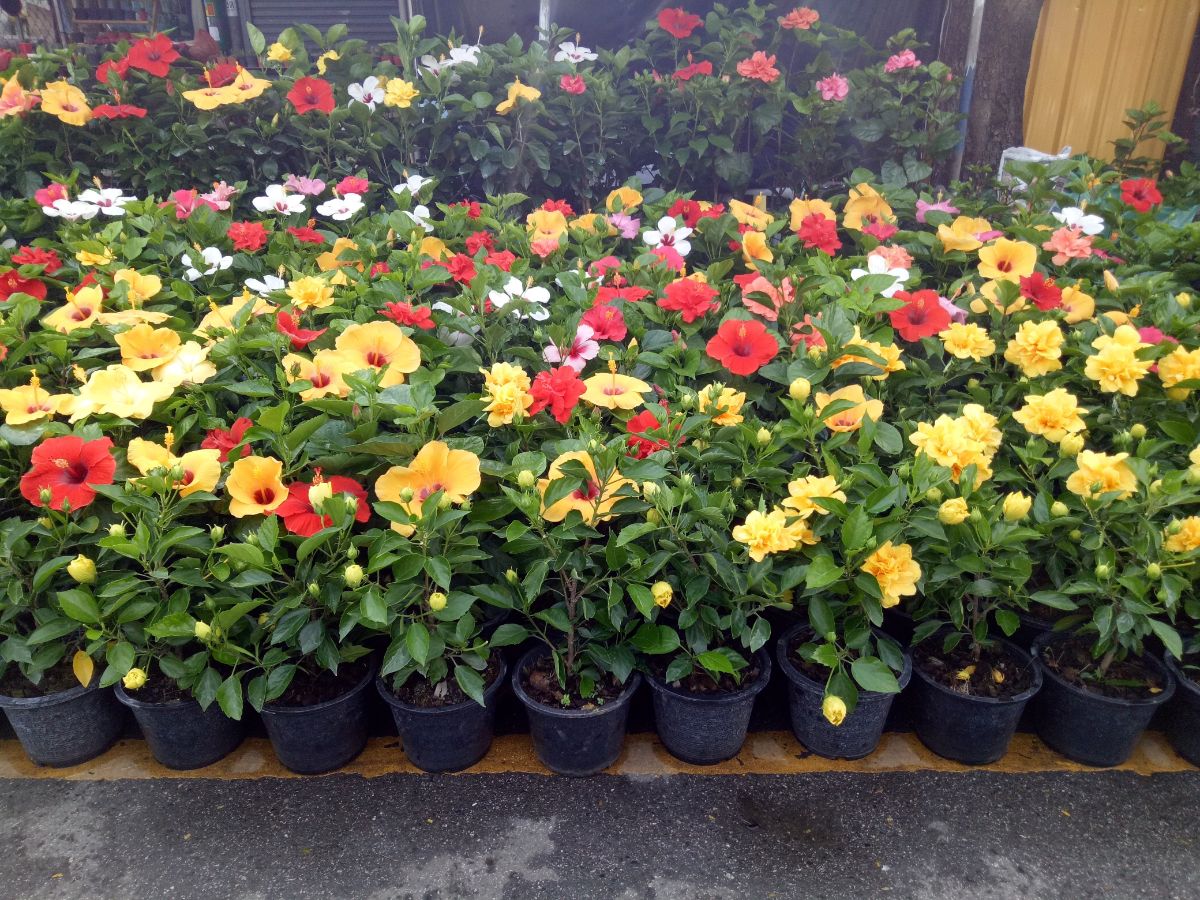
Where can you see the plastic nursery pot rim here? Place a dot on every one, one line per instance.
(488, 693)
(54, 699)
(134, 703)
(1033, 663)
(532, 656)
(1182, 681)
(795, 674)
(1118, 702)
(728, 698)
(271, 709)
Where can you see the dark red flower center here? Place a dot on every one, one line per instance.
(589, 492)
(264, 496)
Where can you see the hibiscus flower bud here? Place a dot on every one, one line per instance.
(1070, 445)
(1184, 299)
(976, 516)
(437, 601)
(1017, 506)
(953, 512)
(834, 710)
(526, 479)
(1193, 475)
(314, 589)
(763, 437)
(203, 631)
(934, 495)
(45, 496)
(116, 529)
(1103, 570)
(134, 679)
(662, 593)
(318, 494)
(351, 553)
(800, 389)
(653, 517)
(406, 495)
(351, 503)
(511, 576)
(687, 400)
(1058, 509)
(82, 569)
(649, 489)
(1137, 431)
(1075, 534)
(687, 478)
(1154, 571)
(737, 482)
(1156, 486)
(353, 574)
(217, 532)
(1175, 527)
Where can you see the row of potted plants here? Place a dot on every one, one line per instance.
(248, 453)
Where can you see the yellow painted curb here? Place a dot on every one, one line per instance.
(765, 753)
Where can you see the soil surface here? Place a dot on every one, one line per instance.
(418, 691)
(311, 688)
(542, 685)
(159, 689)
(58, 678)
(1129, 679)
(702, 683)
(1014, 674)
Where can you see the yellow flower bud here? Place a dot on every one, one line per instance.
(353, 575)
(203, 631)
(82, 569)
(406, 495)
(834, 710)
(1071, 445)
(1058, 509)
(953, 512)
(526, 479)
(134, 679)
(318, 494)
(800, 389)
(1137, 431)
(662, 594)
(1184, 299)
(653, 517)
(511, 576)
(116, 529)
(437, 601)
(763, 437)
(649, 489)
(1017, 506)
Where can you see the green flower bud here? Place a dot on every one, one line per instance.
(353, 574)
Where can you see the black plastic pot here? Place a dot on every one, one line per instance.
(705, 729)
(574, 741)
(1091, 728)
(313, 739)
(971, 730)
(181, 735)
(1183, 713)
(445, 738)
(859, 733)
(68, 727)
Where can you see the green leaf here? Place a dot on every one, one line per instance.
(714, 661)
(438, 568)
(229, 697)
(508, 635)
(655, 639)
(822, 571)
(1008, 621)
(80, 606)
(417, 641)
(874, 675)
(1169, 636)
(471, 683)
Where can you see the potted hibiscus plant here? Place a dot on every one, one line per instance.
(439, 676)
(182, 613)
(577, 681)
(53, 625)
(704, 635)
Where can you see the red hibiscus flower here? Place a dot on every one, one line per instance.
(1140, 193)
(743, 347)
(560, 389)
(352, 184)
(691, 212)
(68, 467)
(820, 233)
(1041, 291)
(152, 55)
(479, 240)
(225, 441)
(501, 259)
(187, 202)
(561, 206)
(693, 299)
(573, 84)
(607, 323)
(413, 316)
(379, 268)
(669, 257)
(297, 511)
(921, 316)
(645, 423)
(879, 229)
(11, 282)
(119, 67)
(688, 72)
(118, 111)
(461, 268)
(678, 22)
(222, 74)
(474, 210)
(309, 94)
(305, 234)
(630, 294)
(286, 323)
(249, 236)
(36, 256)
(3, 352)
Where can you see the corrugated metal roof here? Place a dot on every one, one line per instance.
(368, 20)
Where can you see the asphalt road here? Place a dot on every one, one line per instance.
(526, 837)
